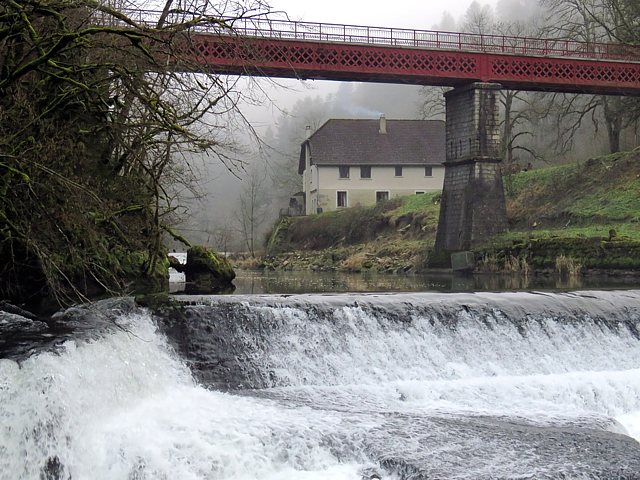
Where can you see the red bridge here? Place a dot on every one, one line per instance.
(304, 50)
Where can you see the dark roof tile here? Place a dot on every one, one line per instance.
(358, 142)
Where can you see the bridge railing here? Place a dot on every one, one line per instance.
(263, 27)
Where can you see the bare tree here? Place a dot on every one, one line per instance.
(252, 209)
(92, 129)
(223, 235)
(519, 113)
(589, 21)
(479, 19)
(432, 106)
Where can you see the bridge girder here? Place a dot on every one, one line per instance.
(406, 65)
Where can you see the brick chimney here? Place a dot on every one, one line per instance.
(308, 131)
(383, 125)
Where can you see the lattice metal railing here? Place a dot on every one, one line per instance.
(262, 27)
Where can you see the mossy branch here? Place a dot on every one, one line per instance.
(176, 236)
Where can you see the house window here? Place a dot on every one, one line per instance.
(382, 196)
(343, 172)
(419, 192)
(428, 171)
(365, 171)
(341, 199)
(398, 171)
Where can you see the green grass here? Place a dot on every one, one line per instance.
(579, 201)
(426, 202)
(619, 203)
(543, 177)
(623, 230)
(599, 191)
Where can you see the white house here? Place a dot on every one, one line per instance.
(346, 163)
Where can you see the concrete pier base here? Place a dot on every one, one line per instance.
(473, 204)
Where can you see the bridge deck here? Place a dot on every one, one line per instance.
(259, 46)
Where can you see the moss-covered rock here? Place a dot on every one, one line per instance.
(207, 272)
(145, 280)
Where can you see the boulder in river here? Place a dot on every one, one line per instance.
(207, 271)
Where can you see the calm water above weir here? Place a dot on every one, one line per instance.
(257, 282)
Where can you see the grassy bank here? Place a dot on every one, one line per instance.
(573, 217)
(392, 236)
(569, 218)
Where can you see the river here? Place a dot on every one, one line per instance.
(429, 385)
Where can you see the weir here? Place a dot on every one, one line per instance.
(268, 341)
(402, 386)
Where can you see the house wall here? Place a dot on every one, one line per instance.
(311, 189)
(310, 185)
(362, 191)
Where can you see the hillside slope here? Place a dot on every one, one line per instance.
(390, 236)
(587, 212)
(597, 193)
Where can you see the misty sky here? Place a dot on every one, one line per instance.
(418, 14)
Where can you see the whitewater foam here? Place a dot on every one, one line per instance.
(355, 386)
(124, 407)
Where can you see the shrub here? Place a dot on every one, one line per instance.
(513, 264)
(489, 263)
(356, 263)
(567, 266)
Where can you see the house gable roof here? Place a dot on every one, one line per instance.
(359, 142)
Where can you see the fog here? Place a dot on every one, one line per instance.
(270, 125)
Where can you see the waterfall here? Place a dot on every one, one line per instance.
(401, 386)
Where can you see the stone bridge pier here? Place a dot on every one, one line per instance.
(473, 205)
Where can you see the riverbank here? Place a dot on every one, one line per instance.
(578, 218)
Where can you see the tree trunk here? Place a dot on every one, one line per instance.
(613, 118)
(614, 136)
(507, 147)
